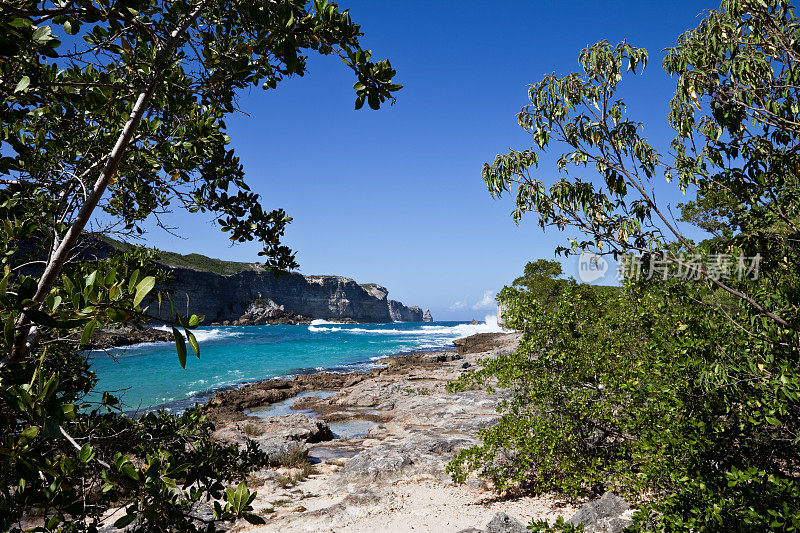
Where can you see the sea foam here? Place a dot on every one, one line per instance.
(489, 325)
(203, 335)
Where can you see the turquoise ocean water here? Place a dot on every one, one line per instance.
(148, 375)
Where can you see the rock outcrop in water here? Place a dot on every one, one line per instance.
(400, 313)
(426, 316)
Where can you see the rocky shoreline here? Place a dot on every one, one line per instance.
(366, 452)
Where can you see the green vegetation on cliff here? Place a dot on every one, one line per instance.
(197, 262)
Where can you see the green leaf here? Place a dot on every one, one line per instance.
(8, 329)
(374, 101)
(180, 346)
(143, 288)
(88, 330)
(240, 497)
(360, 101)
(193, 343)
(68, 411)
(133, 280)
(20, 23)
(254, 519)
(27, 436)
(194, 320)
(86, 454)
(22, 84)
(42, 35)
(124, 521)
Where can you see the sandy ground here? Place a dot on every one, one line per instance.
(425, 505)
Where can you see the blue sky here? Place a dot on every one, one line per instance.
(395, 196)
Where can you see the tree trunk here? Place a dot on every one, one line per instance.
(59, 256)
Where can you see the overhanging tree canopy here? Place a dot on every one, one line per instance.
(122, 104)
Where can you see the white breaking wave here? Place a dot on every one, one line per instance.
(203, 335)
(489, 325)
(318, 328)
(320, 322)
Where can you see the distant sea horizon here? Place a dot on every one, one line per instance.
(148, 376)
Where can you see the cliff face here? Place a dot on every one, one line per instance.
(244, 293)
(254, 294)
(401, 313)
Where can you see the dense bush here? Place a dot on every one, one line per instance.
(681, 389)
(645, 392)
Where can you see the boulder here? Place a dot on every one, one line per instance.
(439, 357)
(278, 449)
(416, 455)
(605, 515)
(502, 523)
(295, 427)
(426, 316)
(485, 342)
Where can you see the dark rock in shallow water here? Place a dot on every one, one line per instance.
(110, 338)
(603, 515)
(502, 523)
(227, 405)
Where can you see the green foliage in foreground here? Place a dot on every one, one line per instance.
(645, 393)
(121, 106)
(680, 391)
(67, 458)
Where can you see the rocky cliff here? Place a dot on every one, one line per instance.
(400, 313)
(245, 293)
(259, 297)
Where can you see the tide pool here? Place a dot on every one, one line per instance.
(148, 375)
